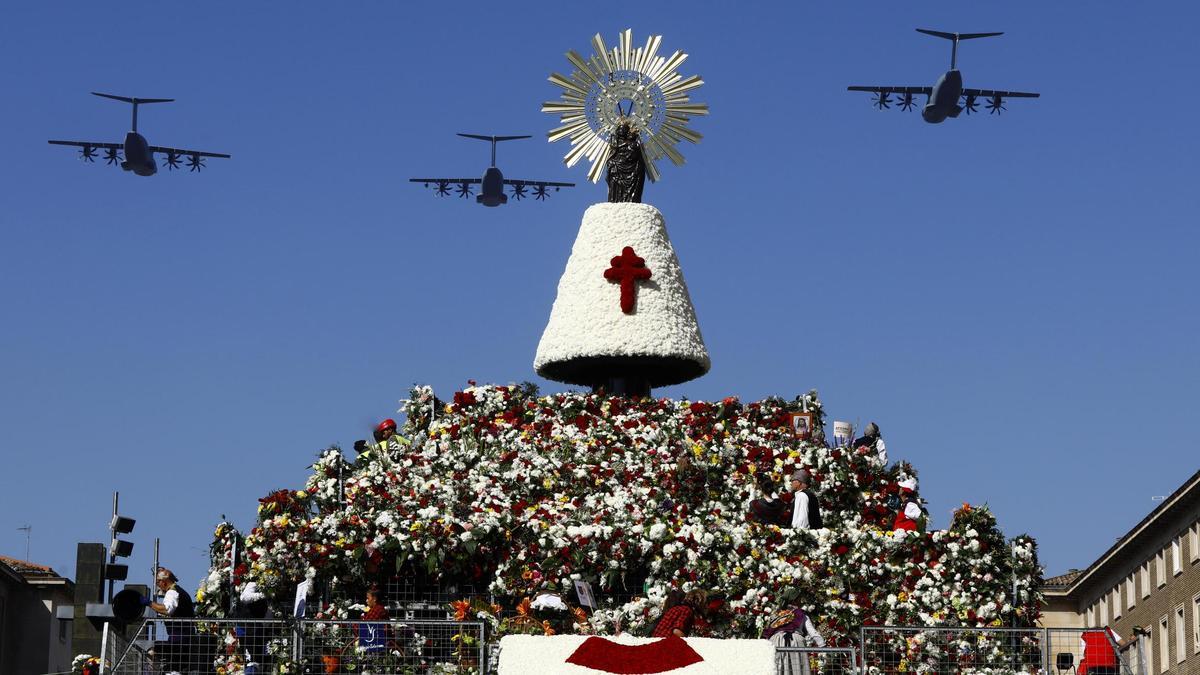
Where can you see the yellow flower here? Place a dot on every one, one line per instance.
(340, 543)
(902, 596)
(282, 521)
(199, 595)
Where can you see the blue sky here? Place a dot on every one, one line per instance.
(1012, 299)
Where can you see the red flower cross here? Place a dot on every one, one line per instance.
(627, 269)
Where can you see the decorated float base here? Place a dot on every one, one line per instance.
(509, 496)
(627, 655)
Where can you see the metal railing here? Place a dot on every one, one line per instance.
(888, 650)
(257, 647)
(420, 647)
(816, 661)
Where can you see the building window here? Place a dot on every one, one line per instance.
(1104, 611)
(1116, 601)
(1195, 542)
(1130, 592)
(1180, 636)
(1160, 568)
(1196, 623)
(1164, 653)
(1146, 579)
(1177, 556)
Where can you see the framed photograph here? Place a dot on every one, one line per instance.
(802, 424)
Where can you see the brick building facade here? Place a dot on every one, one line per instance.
(1149, 579)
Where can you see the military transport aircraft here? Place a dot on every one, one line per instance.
(493, 182)
(139, 155)
(942, 98)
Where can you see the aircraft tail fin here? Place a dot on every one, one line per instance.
(133, 100)
(956, 36)
(494, 140)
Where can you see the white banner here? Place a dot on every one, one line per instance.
(843, 433)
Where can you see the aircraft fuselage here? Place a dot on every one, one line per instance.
(943, 101)
(138, 157)
(492, 188)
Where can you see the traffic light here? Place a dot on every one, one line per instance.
(118, 548)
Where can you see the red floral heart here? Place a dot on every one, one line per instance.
(660, 656)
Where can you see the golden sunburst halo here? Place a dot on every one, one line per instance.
(624, 82)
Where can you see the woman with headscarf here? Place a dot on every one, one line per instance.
(789, 628)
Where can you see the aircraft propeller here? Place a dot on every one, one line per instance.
(172, 161)
(996, 105)
(195, 163)
(539, 192)
(518, 191)
(882, 99)
(443, 188)
(464, 190)
(87, 154)
(111, 156)
(969, 105)
(907, 103)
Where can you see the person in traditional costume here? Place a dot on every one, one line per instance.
(910, 517)
(679, 619)
(175, 652)
(806, 511)
(872, 440)
(770, 508)
(790, 627)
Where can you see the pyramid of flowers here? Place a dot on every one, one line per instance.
(520, 494)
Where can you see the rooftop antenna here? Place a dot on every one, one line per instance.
(134, 101)
(28, 530)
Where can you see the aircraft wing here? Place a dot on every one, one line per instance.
(989, 93)
(545, 183)
(88, 144)
(448, 181)
(181, 151)
(441, 186)
(893, 90)
(540, 192)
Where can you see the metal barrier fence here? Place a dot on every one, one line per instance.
(888, 650)
(401, 647)
(425, 647)
(258, 647)
(815, 661)
(1068, 653)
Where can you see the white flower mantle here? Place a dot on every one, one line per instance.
(587, 320)
(538, 655)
